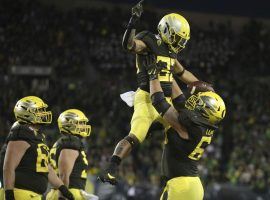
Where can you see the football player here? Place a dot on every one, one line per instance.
(25, 167)
(173, 34)
(191, 130)
(67, 155)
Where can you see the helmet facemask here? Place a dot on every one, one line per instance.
(176, 42)
(40, 115)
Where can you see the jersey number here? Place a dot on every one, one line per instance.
(165, 75)
(198, 151)
(42, 158)
(52, 159)
(84, 174)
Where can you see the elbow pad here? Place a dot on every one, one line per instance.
(179, 102)
(160, 103)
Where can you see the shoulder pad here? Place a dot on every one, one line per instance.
(21, 132)
(149, 39)
(69, 142)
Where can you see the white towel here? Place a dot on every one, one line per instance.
(128, 97)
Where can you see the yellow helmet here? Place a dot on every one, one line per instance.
(74, 122)
(174, 30)
(32, 109)
(209, 104)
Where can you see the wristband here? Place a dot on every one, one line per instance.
(65, 192)
(9, 195)
(116, 160)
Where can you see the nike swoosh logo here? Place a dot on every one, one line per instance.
(110, 176)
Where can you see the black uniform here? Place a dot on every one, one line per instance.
(78, 175)
(163, 56)
(32, 171)
(180, 156)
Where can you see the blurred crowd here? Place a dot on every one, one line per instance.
(91, 70)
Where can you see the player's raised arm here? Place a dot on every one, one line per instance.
(129, 42)
(168, 112)
(178, 98)
(183, 74)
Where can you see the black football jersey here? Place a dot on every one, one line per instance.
(163, 56)
(78, 175)
(32, 171)
(180, 156)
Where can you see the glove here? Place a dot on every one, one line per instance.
(153, 68)
(136, 13)
(65, 192)
(109, 175)
(9, 195)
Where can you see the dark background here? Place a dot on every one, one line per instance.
(69, 53)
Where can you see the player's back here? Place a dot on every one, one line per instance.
(181, 156)
(163, 56)
(78, 175)
(32, 171)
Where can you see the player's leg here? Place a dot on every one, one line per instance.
(183, 188)
(141, 121)
(26, 195)
(143, 116)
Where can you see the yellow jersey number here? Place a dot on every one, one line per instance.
(42, 158)
(84, 173)
(52, 158)
(165, 75)
(198, 151)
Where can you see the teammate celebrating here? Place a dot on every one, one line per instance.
(26, 171)
(191, 130)
(173, 34)
(67, 156)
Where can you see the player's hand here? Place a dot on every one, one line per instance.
(199, 86)
(109, 174)
(136, 13)
(153, 68)
(137, 10)
(65, 192)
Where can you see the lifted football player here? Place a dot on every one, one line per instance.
(67, 156)
(26, 171)
(192, 129)
(173, 34)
